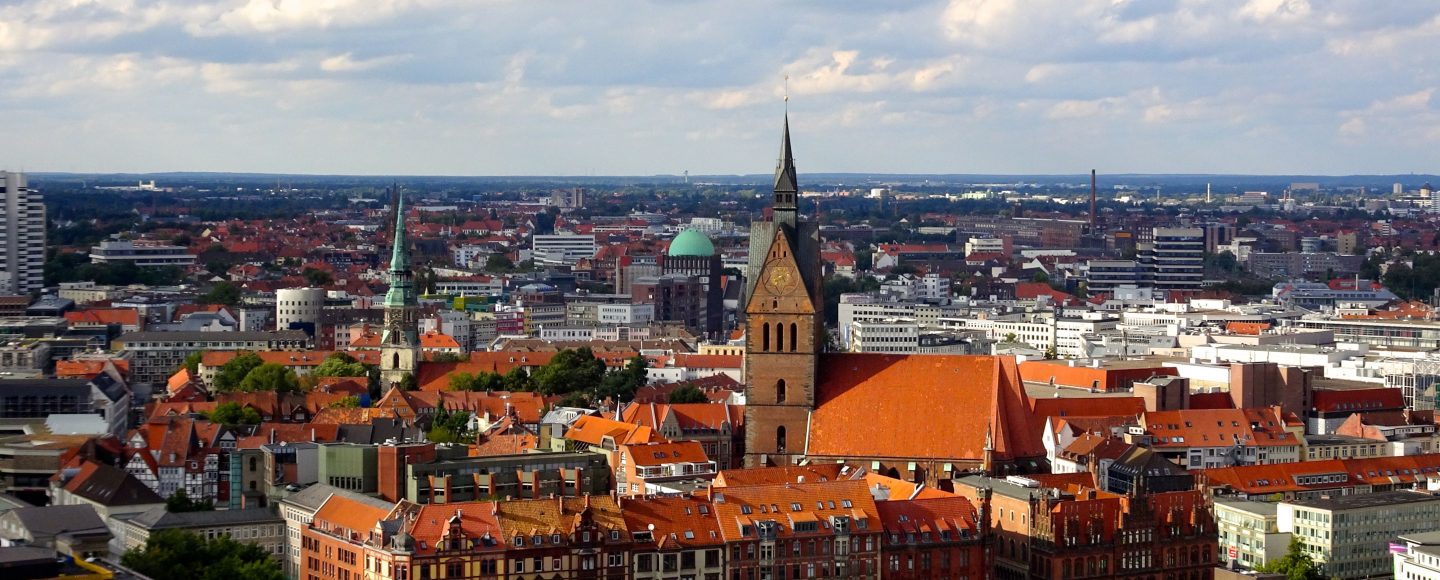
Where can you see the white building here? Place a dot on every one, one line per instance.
(22, 247)
(1348, 536)
(562, 249)
(1417, 556)
(893, 336)
(298, 306)
(142, 255)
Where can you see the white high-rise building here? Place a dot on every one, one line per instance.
(22, 246)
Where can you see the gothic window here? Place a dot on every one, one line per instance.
(780, 391)
(396, 361)
(780, 439)
(779, 336)
(765, 338)
(793, 334)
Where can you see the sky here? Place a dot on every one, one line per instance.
(609, 87)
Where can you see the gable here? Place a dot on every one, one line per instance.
(781, 286)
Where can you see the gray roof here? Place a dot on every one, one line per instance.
(1365, 500)
(54, 520)
(42, 387)
(1258, 508)
(315, 496)
(158, 519)
(25, 555)
(111, 486)
(198, 336)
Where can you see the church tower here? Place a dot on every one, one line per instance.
(784, 331)
(400, 344)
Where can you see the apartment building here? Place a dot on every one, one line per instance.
(144, 255)
(158, 354)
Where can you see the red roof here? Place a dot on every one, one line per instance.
(655, 453)
(866, 407)
(121, 316)
(1358, 400)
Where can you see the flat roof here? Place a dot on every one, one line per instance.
(1257, 508)
(1366, 500)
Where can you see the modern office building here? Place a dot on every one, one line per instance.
(22, 245)
(561, 249)
(1348, 535)
(142, 255)
(1175, 258)
(299, 307)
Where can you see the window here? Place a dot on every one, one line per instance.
(793, 334)
(780, 336)
(765, 338)
(780, 391)
(780, 439)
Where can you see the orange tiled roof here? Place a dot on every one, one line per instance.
(737, 508)
(476, 518)
(953, 514)
(437, 340)
(820, 472)
(866, 402)
(679, 522)
(1217, 427)
(1304, 475)
(593, 430)
(343, 516)
(530, 517)
(653, 453)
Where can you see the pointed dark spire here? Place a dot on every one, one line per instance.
(787, 187)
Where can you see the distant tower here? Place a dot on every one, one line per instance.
(22, 236)
(784, 330)
(1093, 215)
(1207, 193)
(399, 345)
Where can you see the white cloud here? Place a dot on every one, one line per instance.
(575, 85)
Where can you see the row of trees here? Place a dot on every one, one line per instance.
(249, 373)
(576, 374)
(180, 555)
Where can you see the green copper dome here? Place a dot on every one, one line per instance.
(691, 243)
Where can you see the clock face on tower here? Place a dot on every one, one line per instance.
(781, 281)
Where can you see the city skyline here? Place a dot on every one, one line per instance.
(450, 88)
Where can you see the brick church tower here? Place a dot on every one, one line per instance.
(784, 332)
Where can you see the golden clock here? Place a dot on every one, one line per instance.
(781, 281)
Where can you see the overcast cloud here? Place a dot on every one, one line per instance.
(473, 87)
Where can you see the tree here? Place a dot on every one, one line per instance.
(409, 382)
(620, 386)
(270, 377)
(225, 293)
(570, 370)
(447, 357)
(1295, 564)
(1040, 276)
(231, 373)
(518, 380)
(180, 502)
(499, 264)
(687, 394)
(317, 277)
(576, 399)
(232, 414)
(482, 382)
(450, 426)
(181, 555)
(192, 362)
(351, 402)
(341, 365)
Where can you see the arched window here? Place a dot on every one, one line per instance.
(765, 338)
(780, 336)
(793, 334)
(395, 364)
(780, 391)
(780, 439)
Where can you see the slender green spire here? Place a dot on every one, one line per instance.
(400, 256)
